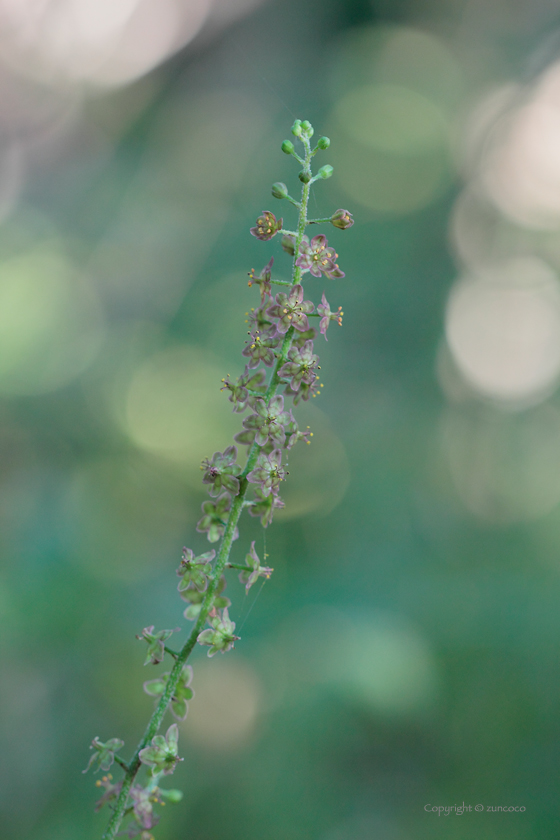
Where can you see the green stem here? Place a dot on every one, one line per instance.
(224, 552)
(318, 221)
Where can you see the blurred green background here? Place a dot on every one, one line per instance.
(404, 652)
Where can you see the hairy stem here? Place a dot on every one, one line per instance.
(223, 555)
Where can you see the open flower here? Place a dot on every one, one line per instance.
(268, 473)
(300, 366)
(318, 257)
(194, 571)
(221, 471)
(156, 643)
(263, 280)
(220, 635)
(104, 753)
(327, 316)
(260, 350)
(267, 226)
(182, 694)
(239, 390)
(264, 506)
(213, 521)
(291, 310)
(143, 808)
(268, 421)
(251, 575)
(162, 755)
(293, 434)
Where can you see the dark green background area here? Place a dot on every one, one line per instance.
(405, 650)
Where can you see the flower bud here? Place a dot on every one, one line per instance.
(171, 795)
(307, 128)
(323, 142)
(288, 147)
(342, 219)
(304, 176)
(296, 128)
(279, 190)
(288, 245)
(325, 171)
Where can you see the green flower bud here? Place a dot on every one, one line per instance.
(323, 142)
(296, 128)
(288, 147)
(172, 795)
(325, 171)
(304, 176)
(279, 190)
(307, 128)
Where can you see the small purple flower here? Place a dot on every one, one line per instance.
(304, 392)
(213, 520)
(239, 390)
(268, 421)
(268, 473)
(300, 366)
(264, 506)
(220, 637)
(327, 316)
(259, 322)
(263, 280)
(342, 219)
(291, 310)
(221, 471)
(142, 805)
(256, 570)
(260, 350)
(111, 791)
(194, 571)
(162, 755)
(318, 258)
(267, 226)
(293, 434)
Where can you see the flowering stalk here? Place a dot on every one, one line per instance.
(280, 337)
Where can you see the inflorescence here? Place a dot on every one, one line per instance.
(280, 337)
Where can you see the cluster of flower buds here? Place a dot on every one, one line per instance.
(280, 338)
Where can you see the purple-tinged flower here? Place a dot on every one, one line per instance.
(327, 316)
(239, 390)
(104, 753)
(264, 506)
(220, 637)
(342, 219)
(111, 791)
(268, 473)
(293, 434)
(162, 755)
(263, 280)
(259, 322)
(267, 226)
(195, 599)
(304, 392)
(300, 366)
(268, 421)
(318, 257)
(181, 695)
(288, 244)
(221, 471)
(291, 310)
(156, 643)
(249, 577)
(260, 350)
(143, 808)
(213, 520)
(194, 571)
